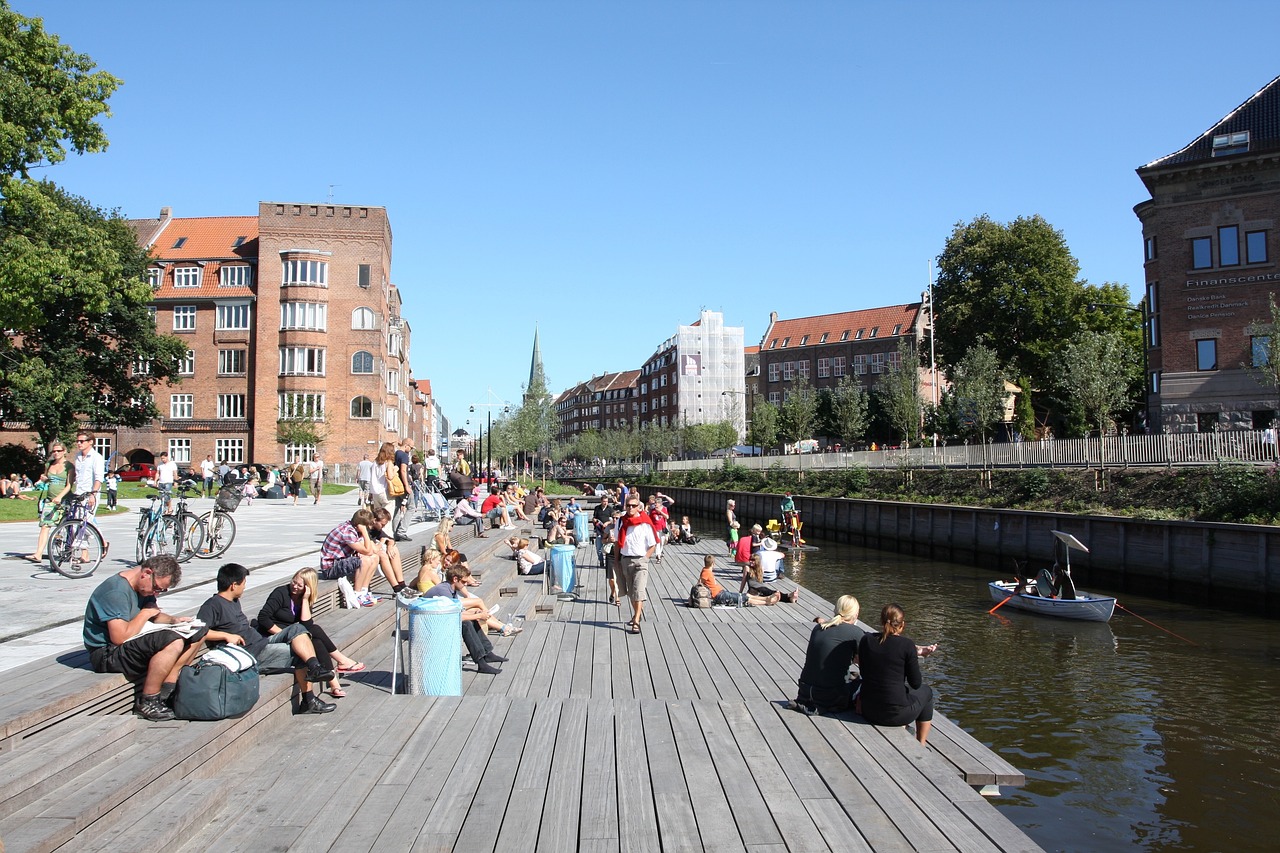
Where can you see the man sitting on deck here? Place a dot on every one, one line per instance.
(389, 559)
(120, 635)
(473, 613)
(494, 508)
(348, 552)
(291, 647)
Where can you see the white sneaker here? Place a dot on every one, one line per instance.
(508, 527)
(347, 594)
(367, 600)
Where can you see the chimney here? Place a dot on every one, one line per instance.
(166, 213)
(773, 316)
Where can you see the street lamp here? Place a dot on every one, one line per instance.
(750, 402)
(500, 404)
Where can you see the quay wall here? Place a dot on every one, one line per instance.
(1234, 566)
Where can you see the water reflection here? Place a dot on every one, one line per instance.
(1128, 736)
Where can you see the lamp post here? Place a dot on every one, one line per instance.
(491, 405)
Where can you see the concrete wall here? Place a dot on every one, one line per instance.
(1235, 566)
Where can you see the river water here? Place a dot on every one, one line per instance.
(1129, 737)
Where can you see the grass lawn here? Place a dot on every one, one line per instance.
(18, 510)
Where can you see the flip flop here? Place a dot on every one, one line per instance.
(358, 666)
(633, 627)
(337, 693)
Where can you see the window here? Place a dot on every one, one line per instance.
(1206, 422)
(1149, 248)
(823, 339)
(897, 329)
(186, 276)
(1228, 246)
(1260, 350)
(1264, 418)
(877, 362)
(804, 340)
(788, 370)
(231, 362)
(180, 242)
(155, 276)
(239, 241)
(235, 275)
(858, 335)
(151, 309)
(102, 444)
(837, 366)
(893, 359)
(304, 315)
(180, 450)
(362, 362)
(393, 381)
(1155, 382)
(305, 272)
(1207, 354)
(299, 453)
(1153, 331)
(362, 318)
(230, 450)
(802, 368)
(301, 361)
(1255, 247)
(859, 364)
(785, 341)
(303, 406)
(773, 343)
(184, 318)
(361, 408)
(844, 336)
(1201, 253)
(824, 368)
(232, 315)
(775, 398)
(187, 365)
(231, 406)
(1230, 143)
(141, 366)
(364, 275)
(393, 418)
(181, 406)
(874, 330)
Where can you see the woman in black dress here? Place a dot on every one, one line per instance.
(825, 682)
(291, 603)
(893, 690)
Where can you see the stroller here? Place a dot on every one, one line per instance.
(431, 502)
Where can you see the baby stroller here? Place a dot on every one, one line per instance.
(428, 497)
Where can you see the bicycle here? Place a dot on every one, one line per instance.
(189, 530)
(76, 547)
(149, 518)
(217, 526)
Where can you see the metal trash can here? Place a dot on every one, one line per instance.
(563, 568)
(435, 647)
(582, 528)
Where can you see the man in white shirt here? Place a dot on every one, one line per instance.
(206, 473)
(637, 540)
(166, 476)
(90, 470)
(364, 476)
(770, 561)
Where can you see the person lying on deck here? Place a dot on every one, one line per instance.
(723, 598)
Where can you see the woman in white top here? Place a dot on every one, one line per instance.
(528, 561)
(378, 485)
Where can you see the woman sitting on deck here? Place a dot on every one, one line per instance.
(753, 581)
(292, 603)
(893, 690)
(528, 561)
(442, 543)
(824, 682)
(721, 597)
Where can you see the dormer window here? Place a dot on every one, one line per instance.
(804, 340)
(238, 243)
(1230, 143)
(874, 330)
(785, 341)
(858, 336)
(844, 336)
(897, 328)
(823, 339)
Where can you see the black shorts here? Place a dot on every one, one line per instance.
(132, 658)
(294, 489)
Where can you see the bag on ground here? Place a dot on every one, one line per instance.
(700, 596)
(221, 684)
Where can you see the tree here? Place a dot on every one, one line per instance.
(1264, 359)
(979, 390)
(849, 410)
(1009, 287)
(73, 293)
(1024, 416)
(52, 98)
(899, 393)
(1095, 370)
(533, 425)
(763, 432)
(658, 441)
(798, 414)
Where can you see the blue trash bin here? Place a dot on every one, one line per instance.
(564, 571)
(582, 528)
(435, 647)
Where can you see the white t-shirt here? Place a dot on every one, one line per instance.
(206, 469)
(769, 563)
(364, 470)
(167, 473)
(90, 469)
(640, 538)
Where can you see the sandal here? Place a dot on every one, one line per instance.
(633, 628)
(509, 630)
(337, 693)
(355, 667)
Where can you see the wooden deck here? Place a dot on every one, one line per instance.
(590, 739)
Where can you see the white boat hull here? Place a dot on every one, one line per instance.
(1088, 608)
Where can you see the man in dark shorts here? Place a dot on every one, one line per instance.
(121, 633)
(290, 648)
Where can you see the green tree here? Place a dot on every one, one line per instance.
(763, 430)
(1095, 370)
(898, 392)
(534, 423)
(1264, 359)
(979, 390)
(1024, 415)
(73, 292)
(849, 410)
(658, 441)
(1009, 287)
(50, 96)
(798, 414)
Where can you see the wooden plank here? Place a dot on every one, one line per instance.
(486, 814)
(185, 805)
(42, 763)
(620, 643)
(598, 820)
(558, 823)
(638, 830)
(719, 829)
(566, 658)
(673, 808)
(656, 663)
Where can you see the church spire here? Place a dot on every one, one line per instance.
(536, 376)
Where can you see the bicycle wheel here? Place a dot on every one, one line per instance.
(76, 548)
(163, 537)
(219, 533)
(192, 535)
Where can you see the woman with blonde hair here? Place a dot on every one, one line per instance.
(528, 561)
(382, 466)
(429, 574)
(753, 582)
(292, 602)
(59, 476)
(825, 683)
(893, 690)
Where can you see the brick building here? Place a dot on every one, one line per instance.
(290, 316)
(1209, 235)
(600, 403)
(696, 376)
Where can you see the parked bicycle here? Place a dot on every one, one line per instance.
(217, 526)
(76, 547)
(150, 516)
(190, 530)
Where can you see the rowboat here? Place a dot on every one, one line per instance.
(1052, 592)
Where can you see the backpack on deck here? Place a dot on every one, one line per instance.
(700, 596)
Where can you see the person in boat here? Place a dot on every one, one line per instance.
(893, 692)
(824, 684)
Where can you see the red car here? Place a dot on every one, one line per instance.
(137, 471)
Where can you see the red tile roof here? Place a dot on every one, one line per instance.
(882, 320)
(751, 350)
(210, 242)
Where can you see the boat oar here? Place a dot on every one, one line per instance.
(1001, 604)
(1149, 622)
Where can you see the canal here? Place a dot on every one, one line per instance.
(1129, 737)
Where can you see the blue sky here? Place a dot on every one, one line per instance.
(606, 169)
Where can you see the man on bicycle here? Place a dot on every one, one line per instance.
(90, 472)
(114, 621)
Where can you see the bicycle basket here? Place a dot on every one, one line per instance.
(228, 498)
